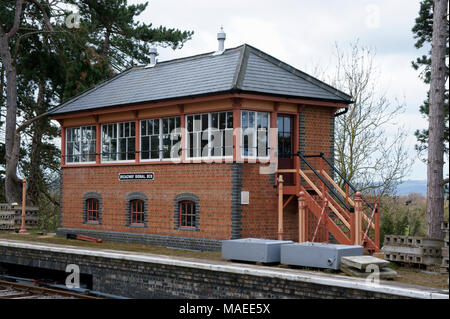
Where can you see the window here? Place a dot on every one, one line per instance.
(255, 134)
(160, 138)
(221, 134)
(119, 141)
(284, 123)
(187, 214)
(209, 135)
(92, 210)
(80, 144)
(137, 211)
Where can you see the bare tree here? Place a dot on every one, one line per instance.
(367, 151)
(435, 189)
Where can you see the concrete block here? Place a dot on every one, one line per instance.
(410, 258)
(253, 249)
(388, 239)
(319, 255)
(401, 240)
(361, 262)
(384, 273)
(428, 242)
(403, 250)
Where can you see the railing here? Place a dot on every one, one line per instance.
(363, 228)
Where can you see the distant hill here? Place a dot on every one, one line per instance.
(412, 186)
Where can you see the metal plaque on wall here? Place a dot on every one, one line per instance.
(136, 176)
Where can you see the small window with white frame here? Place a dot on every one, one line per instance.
(80, 144)
(255, 134)
(119, 141)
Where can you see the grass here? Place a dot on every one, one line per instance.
(34, 237)
(407, 275)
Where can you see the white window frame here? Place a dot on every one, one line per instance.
(80, 141)
(255, 136)
(117, 145)
(160, 140)
(209, 157)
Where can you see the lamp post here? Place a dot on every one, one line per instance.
(23, 230)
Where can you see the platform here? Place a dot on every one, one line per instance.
(143, 275)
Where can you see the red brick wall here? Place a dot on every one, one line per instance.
(318, 124)
(318, 128)
(210, 182)
(260, 217)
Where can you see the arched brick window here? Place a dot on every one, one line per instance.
(136, 210)
(187, 212)
(92, 208)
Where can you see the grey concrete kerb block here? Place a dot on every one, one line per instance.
(317, 255)
(253, 249)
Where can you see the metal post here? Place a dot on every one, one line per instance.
(280, 207)
(358, 219)
(377, 225)
(301, 217)
(23, 230)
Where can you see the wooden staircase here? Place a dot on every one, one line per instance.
(327, 213)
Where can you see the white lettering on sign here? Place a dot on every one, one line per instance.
(136, 176)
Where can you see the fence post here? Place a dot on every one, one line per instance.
(280, 207)
(23, 229)
(358, 219)
(301, 217)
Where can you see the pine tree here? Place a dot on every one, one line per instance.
(44, 63)
(423, 30)
(432, 26)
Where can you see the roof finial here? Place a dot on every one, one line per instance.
(153, 52)
(221, 36)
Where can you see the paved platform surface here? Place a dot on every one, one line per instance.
(240, 268)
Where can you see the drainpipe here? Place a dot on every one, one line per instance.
(341, 113)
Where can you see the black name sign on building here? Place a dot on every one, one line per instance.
(136, 176)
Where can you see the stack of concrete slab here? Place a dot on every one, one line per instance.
(317, 255)
(363, 266)
(253, 249)
(412, 249)
(11, 217)
(444, 265)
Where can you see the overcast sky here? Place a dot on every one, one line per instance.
(303, 33)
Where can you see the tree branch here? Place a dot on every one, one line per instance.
(18, 13)
(44, 14)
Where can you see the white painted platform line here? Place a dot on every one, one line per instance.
(254, 270)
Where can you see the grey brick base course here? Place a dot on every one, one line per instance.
(149, 239)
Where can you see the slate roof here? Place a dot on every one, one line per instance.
(238, 70)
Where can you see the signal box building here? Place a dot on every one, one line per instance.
(178, 153)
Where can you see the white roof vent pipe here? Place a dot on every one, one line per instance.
(221, 36)
(153, 52)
